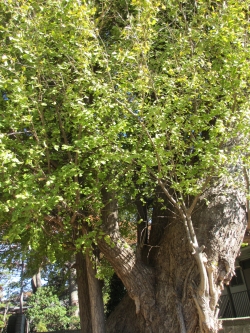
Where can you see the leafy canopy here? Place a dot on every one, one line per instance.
(118, 95)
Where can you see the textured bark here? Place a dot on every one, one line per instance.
(138, 279)
(124, 318)
(178, 289)
(83, 293)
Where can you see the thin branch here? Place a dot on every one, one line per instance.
(43, 124)
(46, 232)
(189, 229)
(191, 208)
(203, 290)
(146, 131)
(54, 219)
(63, 132)
(15, 133)
(172, 173)
(169, 196)
(76, 180)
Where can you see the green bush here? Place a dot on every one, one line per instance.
(46, 313)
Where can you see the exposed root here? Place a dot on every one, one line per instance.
(217, 313)
(185, 283)
(213, 293)
(206, 315)
(201, 260)
(180, 317)
(137, 305)
(205, 295)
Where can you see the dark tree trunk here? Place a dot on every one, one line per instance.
(96, 302)
(83, 294)
(178, 289)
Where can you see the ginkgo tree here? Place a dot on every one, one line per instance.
(118, 115)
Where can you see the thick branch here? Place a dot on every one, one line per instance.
(123, 259)
(110, 212)
(135, 276)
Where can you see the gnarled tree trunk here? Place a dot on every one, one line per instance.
(177, 287)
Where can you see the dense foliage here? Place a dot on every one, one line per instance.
(164, 86)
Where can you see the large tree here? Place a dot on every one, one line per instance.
(124, 113)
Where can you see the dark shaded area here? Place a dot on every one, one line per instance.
(117, 292)
(124, 318)
(11, 324)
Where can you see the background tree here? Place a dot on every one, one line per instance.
(45, 312)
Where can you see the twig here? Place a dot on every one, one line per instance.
(63, 132)
(191, 208)
(146, 131)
